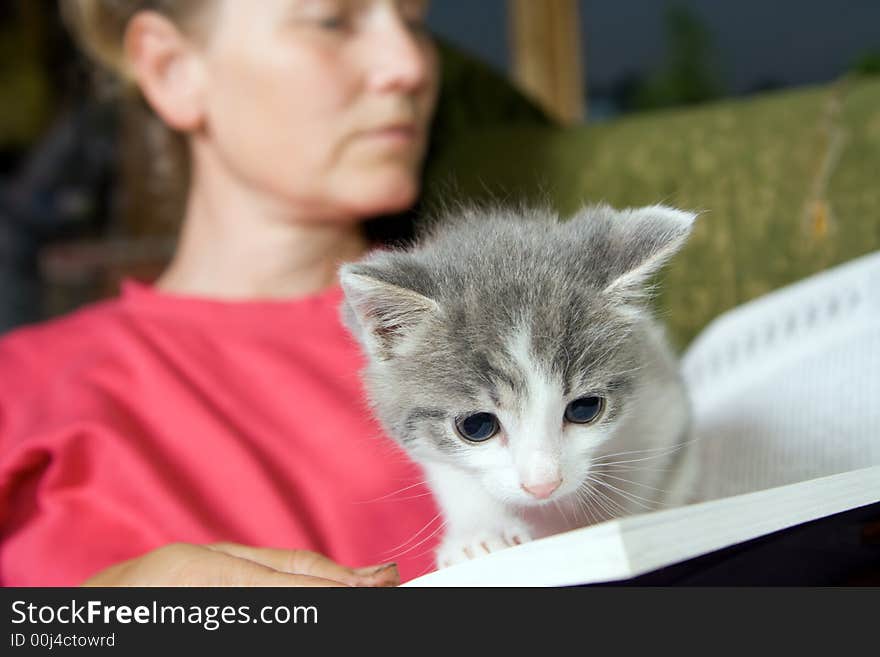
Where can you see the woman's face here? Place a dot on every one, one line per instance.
(324, 104)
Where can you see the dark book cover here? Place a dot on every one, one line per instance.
(838, 550)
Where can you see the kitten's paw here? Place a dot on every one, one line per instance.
(517, 535)
(453, 551)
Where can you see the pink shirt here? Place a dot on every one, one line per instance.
(155, 418)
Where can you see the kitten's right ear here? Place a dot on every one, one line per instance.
(378, 313)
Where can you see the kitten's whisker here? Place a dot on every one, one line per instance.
(580, 509)
(611, 467)
(633, 452)
(625, 494)
(430, 536)
(665, 449)
(612, 508)
(414, 536)
(622, 511)
(643, 502)
(431, 550)
(646, 458)
(411, 497)
(434, 533)
(668, 452)
(597, 501)
(392, 494)
(610, 464)
(561, 508)
(628, 464)
(621, 508)
(602, 504)
(634, 483)
(424, 552)
(598, 498)
(584, 497)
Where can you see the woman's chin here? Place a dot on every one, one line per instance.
(387, 195)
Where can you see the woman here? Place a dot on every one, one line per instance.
(169, 436)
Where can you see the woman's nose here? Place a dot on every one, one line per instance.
(400, 62)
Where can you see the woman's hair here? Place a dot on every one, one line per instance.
(155, 161)
(99, 26)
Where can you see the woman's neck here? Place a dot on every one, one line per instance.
(236, 244)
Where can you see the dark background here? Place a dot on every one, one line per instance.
(752, 45)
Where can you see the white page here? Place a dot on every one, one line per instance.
(787, 387)
(592, 554)
(620, 549)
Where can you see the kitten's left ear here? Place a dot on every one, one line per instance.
(380, 314)
(641, 240)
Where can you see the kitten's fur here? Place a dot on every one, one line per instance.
(516, 313)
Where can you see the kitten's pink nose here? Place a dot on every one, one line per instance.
(544, 490)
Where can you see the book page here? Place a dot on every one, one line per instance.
(786, 387)
(631, 546)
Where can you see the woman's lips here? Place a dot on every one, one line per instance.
(398, 135)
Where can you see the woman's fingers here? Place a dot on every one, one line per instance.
(305, 562)
(184, 564)
(375, 570)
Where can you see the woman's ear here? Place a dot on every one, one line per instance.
(168, 69)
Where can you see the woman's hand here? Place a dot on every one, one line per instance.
(230, 564)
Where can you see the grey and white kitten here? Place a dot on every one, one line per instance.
(512, 355)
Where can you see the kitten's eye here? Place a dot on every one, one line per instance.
(584, 410)
(478, 427)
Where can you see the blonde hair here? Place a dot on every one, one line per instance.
(99, 26)
(155, 160)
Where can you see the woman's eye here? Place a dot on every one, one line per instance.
(478, 427)
(332, 22)
(584, 410)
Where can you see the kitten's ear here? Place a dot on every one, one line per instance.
(641, 240)
(378, 313)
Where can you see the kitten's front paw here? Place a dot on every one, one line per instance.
(453, 551)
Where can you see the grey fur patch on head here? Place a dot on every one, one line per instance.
(435, 320)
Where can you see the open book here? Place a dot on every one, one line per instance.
(786, 403)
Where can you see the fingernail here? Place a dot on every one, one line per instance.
(386, 575)
(380, 569)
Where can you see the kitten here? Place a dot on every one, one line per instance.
(513, 357)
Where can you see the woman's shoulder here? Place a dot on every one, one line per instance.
(46, 346)
(50, 373)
